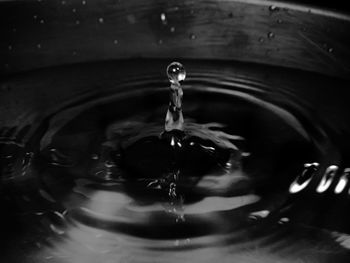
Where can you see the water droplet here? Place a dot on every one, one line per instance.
(63, 2)
(56, 230)
(74, 10)
(270, 35)
(115, 41)
(46, 196)
(176, 72)
(259, 214)
(283, 220)
(273, 8)
(77, 22)
(38, 46)
(35, 17)
(330, 50)
(109, 164)
(193, 36)
(342, 181)
(101, 20)
(327, 178)
(42, 21)
(163, 19)
(94, 156)
(83, 2)
(172, 29)
(304, 179)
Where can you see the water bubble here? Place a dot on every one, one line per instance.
(176, 72)
(270, 35)
(101, 20)
(163, 19)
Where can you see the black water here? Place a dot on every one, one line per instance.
(99, 180)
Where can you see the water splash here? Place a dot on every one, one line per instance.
(174, 119)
